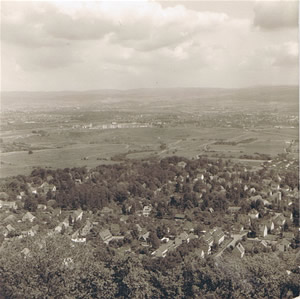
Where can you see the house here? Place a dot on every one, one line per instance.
(200, 177)
(218, 236)
(147, 210)
(249, 246)
(41, 207)
(237, 228)
(181, 164)
(163, 249)
(106, 236)
(28, 216)
(106, 211)
(10, 219)
(283, 245)
(233, 209)
(77, 215)
(179, 217)
(271, 239)
(26, 252)
(208, 239)
(188, 226)
(182, 238)
(288, 235)
(8, 229)
(139, 228)
(288, 215)
(56, 212)
(8, 204)
(204, 250)
(269, 223)
(245, 220)
(144, 236)
(263, 244)
(4, 196)
(253, 214)
(239, 250)
(124, 218)
(32, 232)
(262, 230)
(3, 231)
(279, 220)
(46, 187)
(115, 229)
(86, 229)
(78, 181)
(62, 225)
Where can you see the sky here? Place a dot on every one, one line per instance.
(85, 45)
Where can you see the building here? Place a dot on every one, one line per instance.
(182, 238)
(218, 236)
(77, 215)
(208, 239)
(146, 211)
(239, 250)
(253, 214)
(28, 216)
(279, 220)
(8, 204)
(283, 245)
(86, 229)
(233, 210)
(105, 236)
(179, 217)
(262, 230)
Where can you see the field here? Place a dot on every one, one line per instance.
(93, 147)
(69, 129)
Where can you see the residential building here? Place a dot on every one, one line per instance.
(106, 236)
(239, 250)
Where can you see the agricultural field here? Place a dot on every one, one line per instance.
(69, 130)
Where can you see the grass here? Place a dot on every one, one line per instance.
(185, 140)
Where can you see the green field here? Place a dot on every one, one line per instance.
(68, 148)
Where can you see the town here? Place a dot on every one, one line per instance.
(213, 208)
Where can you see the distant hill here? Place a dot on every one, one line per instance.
(286, 96)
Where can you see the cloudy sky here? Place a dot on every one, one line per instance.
(72, 45)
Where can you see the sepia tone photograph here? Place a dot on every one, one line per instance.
(149, 149)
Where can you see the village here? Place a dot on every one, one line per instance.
(263, 221)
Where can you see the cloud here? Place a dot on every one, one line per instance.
(286, 55)
(46, 58)
(143, 26)
(273, 15)
(272, 56)
(113, 44)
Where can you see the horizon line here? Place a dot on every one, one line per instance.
(148, 88)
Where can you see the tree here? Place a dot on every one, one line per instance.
(154, 240)
(30, 204)
(51, 269)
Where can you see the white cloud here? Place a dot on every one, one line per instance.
(138, 43)
(268, 57)
(272, 15)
